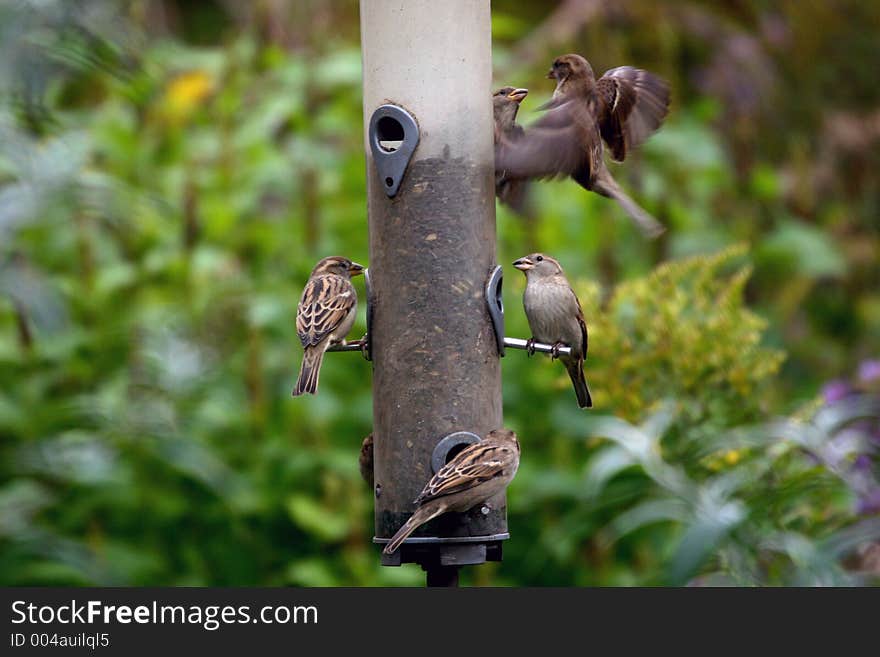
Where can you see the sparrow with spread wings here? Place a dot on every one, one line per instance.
(325, 315)
(476, 474)
(623, 108)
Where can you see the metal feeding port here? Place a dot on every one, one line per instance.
(394, 135)
(495, 304)
(449, 446)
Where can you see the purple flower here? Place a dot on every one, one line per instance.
(869, 503)
(862, 463)
(836, 390)
(869, 371)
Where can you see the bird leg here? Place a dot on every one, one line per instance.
(554, 352)
(530, 347)
(362, 343)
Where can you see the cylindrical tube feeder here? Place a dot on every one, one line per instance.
(431, 203)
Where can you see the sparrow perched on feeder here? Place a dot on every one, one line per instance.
(505, 105)
(365, 460)
(325, 315)
(623, 108)
(476, 474)
(555, 317)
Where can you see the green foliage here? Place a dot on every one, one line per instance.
(695, 487)
(683, 332)
(162, 200)
(753, 516)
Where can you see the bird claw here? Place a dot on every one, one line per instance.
(530, 346)
(362, 343)
(554, 351)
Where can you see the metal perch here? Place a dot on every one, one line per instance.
(519, 343)
(513, 343)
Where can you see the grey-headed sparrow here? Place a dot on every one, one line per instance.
(623, 108)
(325, 315)
(476, 474)
(555, 316)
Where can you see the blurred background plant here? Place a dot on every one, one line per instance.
(170, 171)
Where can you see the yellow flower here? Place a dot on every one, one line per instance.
(185, 93)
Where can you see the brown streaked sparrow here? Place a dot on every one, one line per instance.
(476, 474)
(325, 315)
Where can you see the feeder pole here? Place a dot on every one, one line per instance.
(432, 247)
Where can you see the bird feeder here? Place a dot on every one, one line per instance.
(428, 130)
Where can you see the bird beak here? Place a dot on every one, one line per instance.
(523, 264)
(354, 269)
(517, 95)
(551, 74)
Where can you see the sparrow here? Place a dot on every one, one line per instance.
(555, 317)
(365, 461)
(623, 108)
(505, 105)
(325, 315)
(476, 474)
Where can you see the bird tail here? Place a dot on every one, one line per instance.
(309, 371)
(416, 520)
(576, 372)
(607, 186)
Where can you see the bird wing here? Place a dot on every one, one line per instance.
(554, 145)
(582, 322)
(472, 466)
(629, 105)
(326, 302)
(562, 282)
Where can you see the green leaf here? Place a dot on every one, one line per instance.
(603, 467)
(802, 249)
(649, 512)
(702, 537)
(20, 501)
(327, 524)
(311, 572)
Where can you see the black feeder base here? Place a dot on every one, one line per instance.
(431, 552)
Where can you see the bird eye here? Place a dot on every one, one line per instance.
(539, 258)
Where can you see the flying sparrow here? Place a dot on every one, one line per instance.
(623, 108)
(555, 317)
(325, 315)
(505, 105)
(476, 474)
(365, 460)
